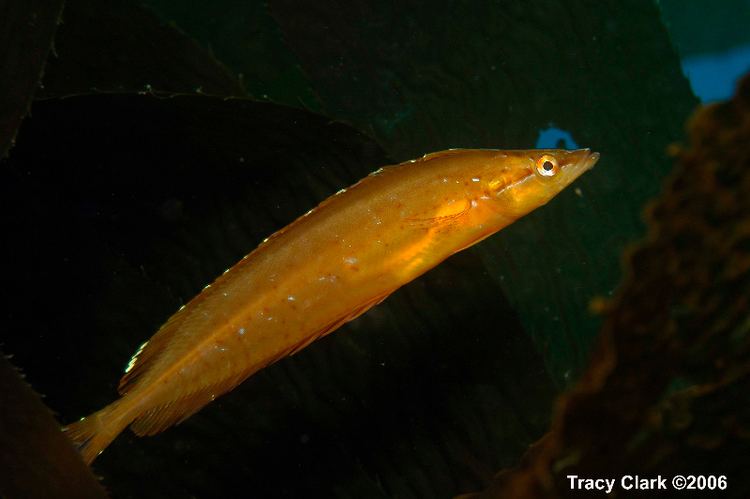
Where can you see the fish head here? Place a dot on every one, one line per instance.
(522, 181)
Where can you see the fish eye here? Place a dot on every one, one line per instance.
(547, 166)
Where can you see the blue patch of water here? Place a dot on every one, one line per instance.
(714, 76)
(555, 138)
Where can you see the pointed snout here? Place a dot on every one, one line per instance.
(577, 163)
(591, 159)
(582, 159)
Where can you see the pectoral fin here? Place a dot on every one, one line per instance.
(446, 215)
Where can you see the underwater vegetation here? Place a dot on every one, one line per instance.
(143, 167)
(665, 392)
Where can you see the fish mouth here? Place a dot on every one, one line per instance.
(580, 161)
(590, 160)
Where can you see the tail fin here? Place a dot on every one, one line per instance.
(92, 434)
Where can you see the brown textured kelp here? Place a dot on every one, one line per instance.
(666, 389)
(36, 460)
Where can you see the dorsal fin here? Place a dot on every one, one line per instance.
(177, 330)
(147, 354)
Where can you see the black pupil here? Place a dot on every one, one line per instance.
(547, 165)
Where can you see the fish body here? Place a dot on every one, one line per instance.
(324, 269)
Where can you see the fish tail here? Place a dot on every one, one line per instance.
(92, 434)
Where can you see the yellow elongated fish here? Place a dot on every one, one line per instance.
(322, 270)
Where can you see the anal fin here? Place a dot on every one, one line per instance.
(173, 412)
(332, 326)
